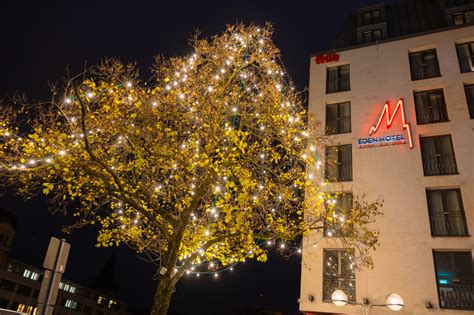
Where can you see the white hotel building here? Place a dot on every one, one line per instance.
(421, 163)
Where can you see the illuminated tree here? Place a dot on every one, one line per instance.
(199, 167)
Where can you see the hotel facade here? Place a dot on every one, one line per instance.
(397, 97)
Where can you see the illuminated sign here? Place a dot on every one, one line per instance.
(389, 118)
(326, 58)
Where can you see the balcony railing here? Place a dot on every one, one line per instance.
(425, 72)
(456, 296)
(436, 114)
(448, 224)
(440, 164)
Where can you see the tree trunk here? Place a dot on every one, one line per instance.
(162, 299)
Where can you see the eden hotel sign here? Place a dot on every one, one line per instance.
(387, 118)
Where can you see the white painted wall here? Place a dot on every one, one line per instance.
(404, 261)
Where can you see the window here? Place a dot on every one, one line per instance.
(372, 36)
(24, 290)
(438, 155)
(371, 17)
(454, 279)
(7, 285)
(424, 65)
(70, 304)
(338, 118)
(463, 17)
(469, 89)
(455, 3)
(466, 56)
(446, 212)
(430, 107)
(338, 273)
(339, 163)
(338, 79)
(337, 209)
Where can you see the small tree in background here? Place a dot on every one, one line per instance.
(199, 167)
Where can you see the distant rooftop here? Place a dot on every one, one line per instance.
(381, 22)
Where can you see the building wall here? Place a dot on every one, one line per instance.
(404, 261)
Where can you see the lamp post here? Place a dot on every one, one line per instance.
(393, 302)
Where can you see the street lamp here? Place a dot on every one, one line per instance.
(393, 301)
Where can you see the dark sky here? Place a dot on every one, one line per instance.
(39, 39)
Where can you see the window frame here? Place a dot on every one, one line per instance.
(434, 252)
(470, 105)
(339, 164)
(424, 65)
(340, 252)
(429, 105)
(371, 20)
(338, 119)
(338, 79)
(452, 150)
(339, 233)
(462, 213)
(470, 46)
(373, 38)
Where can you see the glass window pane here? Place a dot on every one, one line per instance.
(469, 89)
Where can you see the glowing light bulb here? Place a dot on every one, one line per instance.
(62, 152)
(129, 84)
(90, 95)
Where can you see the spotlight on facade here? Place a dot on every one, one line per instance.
(394, 302)
(339, 298)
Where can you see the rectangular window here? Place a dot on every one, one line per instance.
(24, 290)
(430, 107)
(438, 155)
(424, 65)
(338, 118)
(372, 36)
(466, 57)
(469, 89)
(371, 17)
(463, 17)
(337, 210)
(339, 163)
(338, 273)
(7, 285)
(446, 212)
(454, 279)
(338, 79)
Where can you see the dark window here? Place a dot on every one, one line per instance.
(469, 89)
(7, 285)
(430, 107)
(338, 118)
(466, 56)
(454, 280)
(339, 163)
(372, 36)
(446, 212)
(424, 65)
(338, 79)
(87, 310)
(455, 3)
(438, 155)
(338, 273)
(463, 17)
(24, 290)
(337, 210)
(371, 17)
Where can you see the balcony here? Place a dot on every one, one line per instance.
(448, 224)
(456, 296)
(440, 165)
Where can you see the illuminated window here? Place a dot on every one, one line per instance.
(338, 118)
(371, 17)
(424, 65)
(454, 279)
(338, 273)
(337, 209)
(430, 107)
(463, 17)
(338, 79)
(446, 212)
(31, 275)
(339, 163)
(438, 155)
(101, 300)
(466, 56)
(372, 35)
(112, 304)
(469, 89)
(70, 304)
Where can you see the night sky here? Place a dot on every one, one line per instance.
(39, 40)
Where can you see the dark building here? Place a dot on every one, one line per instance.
(20, 284)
